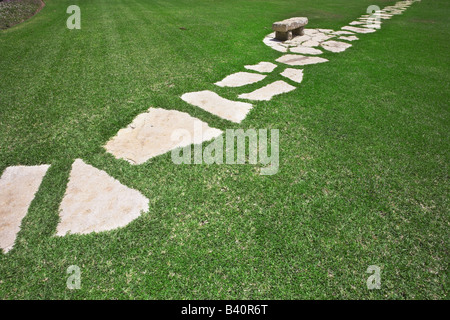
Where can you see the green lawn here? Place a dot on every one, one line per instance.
(364, 153)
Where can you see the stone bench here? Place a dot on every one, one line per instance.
(286, 29)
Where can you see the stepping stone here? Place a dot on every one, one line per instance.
(295, 75)
(358, 30)
(310, 43)
(372, 26)
(298, 40)
(349, 38)
(335, 46)
(149, 135)
(266, 93)
(353, 23)
(235, 111)
(311, 32)
(263, 67)
(305, 50)
(326, 30)
(18, 185)
(275, 44)
(339, 33)
(299, 60)
(95, 202)
(240, 79)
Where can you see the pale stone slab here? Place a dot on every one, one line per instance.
(310, 43)
(299, 60)
(335, 46)
(18, 185)
(295, 75)
(275, 44)
(95, 202)
(354, 23)
(305, 50)
(339, 33)
(264, 67)
(266, 93)
(311, 32)
(358, 30)
(149, 135)
(235, 111)
(349, 38)
(240, 79)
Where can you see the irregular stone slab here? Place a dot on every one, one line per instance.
(349, 38)
(354, 23)
(295, 75)
(149, 135)
(226, 109)
(335, 46)
(263, 67)
(298, 40)
(358, 30)
(18, 185)
(274, 44)
(343, 33)
(305, 50)
(310, 43)
(266, 93)
(310, 32)
(95, 202)
(240, 79)
(299, 60)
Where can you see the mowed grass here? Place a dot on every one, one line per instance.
(364, 153)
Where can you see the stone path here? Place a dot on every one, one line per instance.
(96, 202)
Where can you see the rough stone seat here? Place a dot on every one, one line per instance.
(286, 29)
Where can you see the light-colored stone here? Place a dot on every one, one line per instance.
(349, 38)
(326, 30)
(18, 185)
(266, 93)
(149, 135)
(354, 23)
(299, 60)
(263, 67)
(358, 30)
(339, 33)
(305, 50)
(95, 202)
(240, 79)
(235, 111)
(335, 46)
(295, 75)
(310, 43)
(274, 44)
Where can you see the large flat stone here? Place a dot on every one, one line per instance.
(335, 46)
(149, 135)
(266, 93)
(358, 30)
(295, 75)
(95, 202)
(299, 60)
(349, 38)
(240, 79)
(305, 50)
(235, 111)
(18, 185)
(264, 67)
